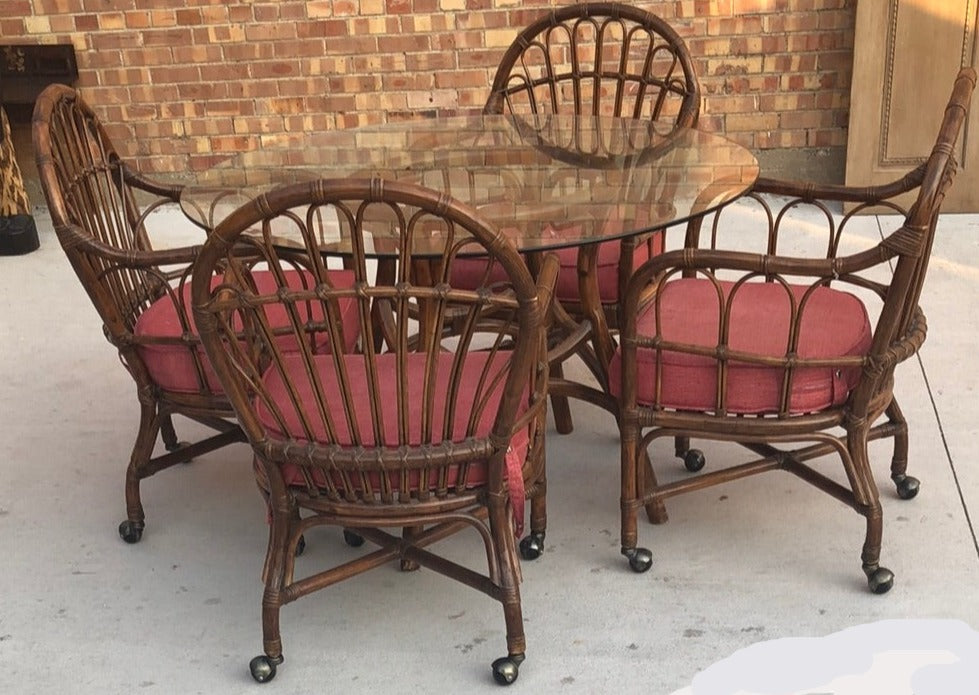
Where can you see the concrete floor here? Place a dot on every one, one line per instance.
(761, 559)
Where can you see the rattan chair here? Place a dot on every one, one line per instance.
(781, 353)
(418, 431)
(102, 212)
(600, 59)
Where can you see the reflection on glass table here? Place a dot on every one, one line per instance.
(550, 182)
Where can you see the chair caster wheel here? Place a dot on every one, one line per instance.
(354, 540)
(263, 668)
(907, 486)
(640, 559)
(507, 668)
(532, 545)
(880, 579)
(131, 531)
(694, 460)
(301, 546)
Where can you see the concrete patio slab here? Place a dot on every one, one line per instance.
(760, 559)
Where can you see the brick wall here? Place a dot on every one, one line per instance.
(182, 84)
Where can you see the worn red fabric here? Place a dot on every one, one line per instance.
(468, 272)
(172, 366)
(476, 365)
(607, 268)
(834, 324)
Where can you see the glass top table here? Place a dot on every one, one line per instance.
(545, 181)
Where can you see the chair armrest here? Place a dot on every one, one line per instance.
(777, 198)
(73, 237)
(169, 191)
(165, 194)
(833, 192)
(713, 260)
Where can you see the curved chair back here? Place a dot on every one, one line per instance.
(93, 206)
(367, 425)
(92, 197)
(598, 59)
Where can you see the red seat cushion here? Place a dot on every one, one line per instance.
(468, 272)
(471, 386)
(171, 365)
(607, 268)
(834, 324)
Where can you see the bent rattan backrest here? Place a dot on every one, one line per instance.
(914, 241)
(415, 400)
(597, 59)
(94, 209)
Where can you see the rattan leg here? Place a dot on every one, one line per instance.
(907, 486)
(640, 559)
(560, 406)
(532, 545)
(263, 666)
(169, 434)
(867, 502)
(506, 669)
(407, 532)
(880, 579)
(131, 530)
(655, 510)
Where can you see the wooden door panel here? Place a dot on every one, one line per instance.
(906, 55)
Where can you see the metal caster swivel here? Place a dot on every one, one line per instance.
(640, 559)
(907, 486)
(879, 579)
(131, 531)
(694, 460)
(507, 668)
(263, 668)
(532, 545)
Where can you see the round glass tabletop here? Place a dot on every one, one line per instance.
(544, 181)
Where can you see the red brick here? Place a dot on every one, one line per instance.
(137, 20)
(175, 73)
(205, 55)
(240, 143)
(86, 22)
(15, 8)
(186, 17)
(166, 37)
(293, 64)
(247, 52)
(273, 69)
(42, 7)
(240, 13)
(12, 27)
(284, 50)
(223, 72)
